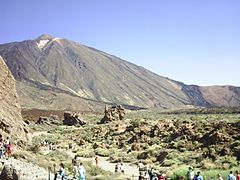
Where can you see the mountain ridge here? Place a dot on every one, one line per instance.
(93, 74)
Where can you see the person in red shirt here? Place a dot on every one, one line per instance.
(237, 175)
(9, 149)
(162, 176)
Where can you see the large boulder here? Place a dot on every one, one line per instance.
(73, 119)
(11, 122)
(9, 173)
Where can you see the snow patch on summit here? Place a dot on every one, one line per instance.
(42, 43)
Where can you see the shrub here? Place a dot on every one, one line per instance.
(103, 152)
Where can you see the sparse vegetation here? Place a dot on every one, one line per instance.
(168, 142)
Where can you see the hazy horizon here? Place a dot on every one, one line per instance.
(192, 42)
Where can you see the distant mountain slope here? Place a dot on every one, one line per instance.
(52, 64)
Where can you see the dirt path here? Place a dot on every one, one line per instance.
(130, 170)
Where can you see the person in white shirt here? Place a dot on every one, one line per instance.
(190, 174)
(81, 171)
(231, 176)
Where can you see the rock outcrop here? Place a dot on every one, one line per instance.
(11, 123)
(53, 119)
(114, 113)
(9, 173)
(73, 119)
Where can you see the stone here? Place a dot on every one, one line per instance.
(9, 173)
(73, 119)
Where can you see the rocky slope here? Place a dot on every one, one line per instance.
(24, 170)
(63, 69)
(11, 123)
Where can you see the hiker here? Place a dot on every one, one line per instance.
(9, 149)
(74, 160)
(6, 141)
(122, 167)
(231, 176)
(1, 148)
(81, 171)
(162, 176)
(181, 178)
(237, 175)
(150, 173)
(75, 169)
(96, 160)
(118, 167)
(60, 173)
(154, 177)
(198, 176)
(141, 176)
(146, 176)
(141, 166)
(190, 173)
(220, 177)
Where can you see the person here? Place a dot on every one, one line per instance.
(198, 176)
(190, 173)
(181, 178)
(81, 171)
(141, 166)
(146, 176)
(60, 173)
(6, 142)
(122, 168)
(96, 160)
(54, 170)
(75, 169)
(150, 173)
(141, 176)
(9, 149)
(162, 176)
(237, 175)
(231, 176)
(154, 177)
(1, 148)
(220, 177)
(116, 168)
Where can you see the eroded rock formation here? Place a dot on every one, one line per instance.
(11, 123)
(113, 113)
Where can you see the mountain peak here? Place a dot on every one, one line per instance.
(45, 37)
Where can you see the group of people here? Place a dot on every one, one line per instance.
(119, 167)
(79, 172)
(150, 175)
(147, 173)
(6, 147)
(191, 175)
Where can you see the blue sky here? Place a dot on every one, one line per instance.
(193, 41)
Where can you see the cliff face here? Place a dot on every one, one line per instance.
(11, 123)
